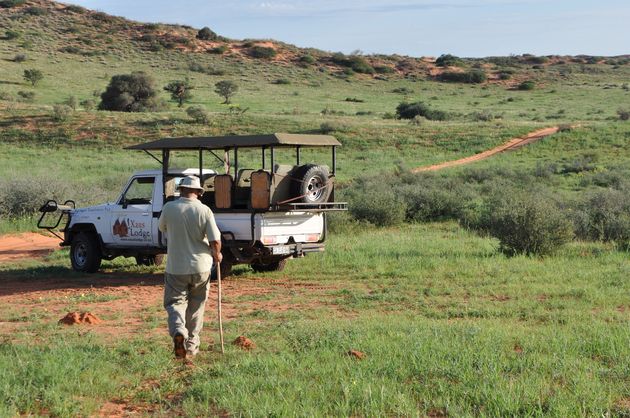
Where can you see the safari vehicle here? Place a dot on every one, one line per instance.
(266, 215)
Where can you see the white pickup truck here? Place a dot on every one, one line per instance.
(265, 215)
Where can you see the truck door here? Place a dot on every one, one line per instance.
(132, 217)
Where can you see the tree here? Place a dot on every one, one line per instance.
(226, 89)
(33, 76)
(133, 92)
(180, 91)
(206, 34)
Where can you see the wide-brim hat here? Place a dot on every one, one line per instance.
(190, 182)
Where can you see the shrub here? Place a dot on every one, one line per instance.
(219, 50)
(133, 92)
(623, 114)
(198, 114)
(196, 67)
(88, 104)
(378, 205)
(75, 9)
(33, 76)
(448, 60)
(354, 100)
(36, 11)
(205, 34)
(605, 216)
(71, 50)
(354, 62)
(7, 4)
(527, 224)
(72, 102)
(527, 85)
(61, 112)
(402, 90)
(307, 59)
(263, 52)
(180, 91)
(20, 58)
(327, 127)
(411, 110)
(471, 77)
(11, 34)
(383, 69)
(226, 89)
(284, 81)
(28, 96)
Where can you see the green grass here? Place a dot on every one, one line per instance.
(446, 322)
(449, 325)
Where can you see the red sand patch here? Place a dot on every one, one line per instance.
(27, 245)
(74, 318)
(356, 354)
(244, 343)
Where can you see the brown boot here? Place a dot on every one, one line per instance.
(178, 346)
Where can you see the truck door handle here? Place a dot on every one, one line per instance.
(145, 214)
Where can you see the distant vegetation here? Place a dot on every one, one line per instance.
(135, 92)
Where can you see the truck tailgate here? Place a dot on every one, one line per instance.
(273, 227)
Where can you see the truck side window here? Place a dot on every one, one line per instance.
(139, 192)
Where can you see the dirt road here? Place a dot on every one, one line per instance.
(28, 245)
(510, 145)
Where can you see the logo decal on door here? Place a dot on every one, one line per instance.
(131, 230)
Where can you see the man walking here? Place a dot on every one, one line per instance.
(193, 242)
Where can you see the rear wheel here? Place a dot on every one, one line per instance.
(150, 260)
(85, 254)
(272, 266)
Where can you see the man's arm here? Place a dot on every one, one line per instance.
(215, 250)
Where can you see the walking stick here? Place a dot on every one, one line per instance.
(219, 306)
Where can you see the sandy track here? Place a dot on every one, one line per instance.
(510, 145)
(27, 245)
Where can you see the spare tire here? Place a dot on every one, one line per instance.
(311, 183)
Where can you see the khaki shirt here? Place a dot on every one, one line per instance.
(189, 225)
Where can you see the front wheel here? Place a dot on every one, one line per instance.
(85, 254)
(273, 266)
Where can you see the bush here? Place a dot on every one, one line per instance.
(198, 114)
(180, 91)
(28, 96)
(284, 81)
(11, 34)
(36, 11)
(226, 89)
(205, 34)
(61, 112)
(402, 90)
(327, 127)
(7, 4)
(32, 195)
(411, 110)
(623, 114)
(354, 62)
(527, 85)
(133, 92)
(33, 76)
(378, 205)
(75, 9)
(219, 50)
(526, 224)
(605, 216)
(88, 104)
(72, 102)
(263, 52)
(384, 69)
(448, 60)
(20, 58)
(471, 77)
(307, 59)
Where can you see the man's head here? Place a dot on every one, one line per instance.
(190, 186)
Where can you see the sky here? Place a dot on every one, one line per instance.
(467, 28)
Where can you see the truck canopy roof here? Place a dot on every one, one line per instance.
(240, 141)
(174, 172)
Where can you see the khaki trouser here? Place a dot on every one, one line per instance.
(185, 298)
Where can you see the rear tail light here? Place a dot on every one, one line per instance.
(312, 238)
(269, 240)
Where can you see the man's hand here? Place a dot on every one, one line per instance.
(215, 250)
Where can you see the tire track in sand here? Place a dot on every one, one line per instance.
(510, 145)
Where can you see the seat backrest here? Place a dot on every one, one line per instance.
(243, 179)
(261, 190)
(223, 191)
